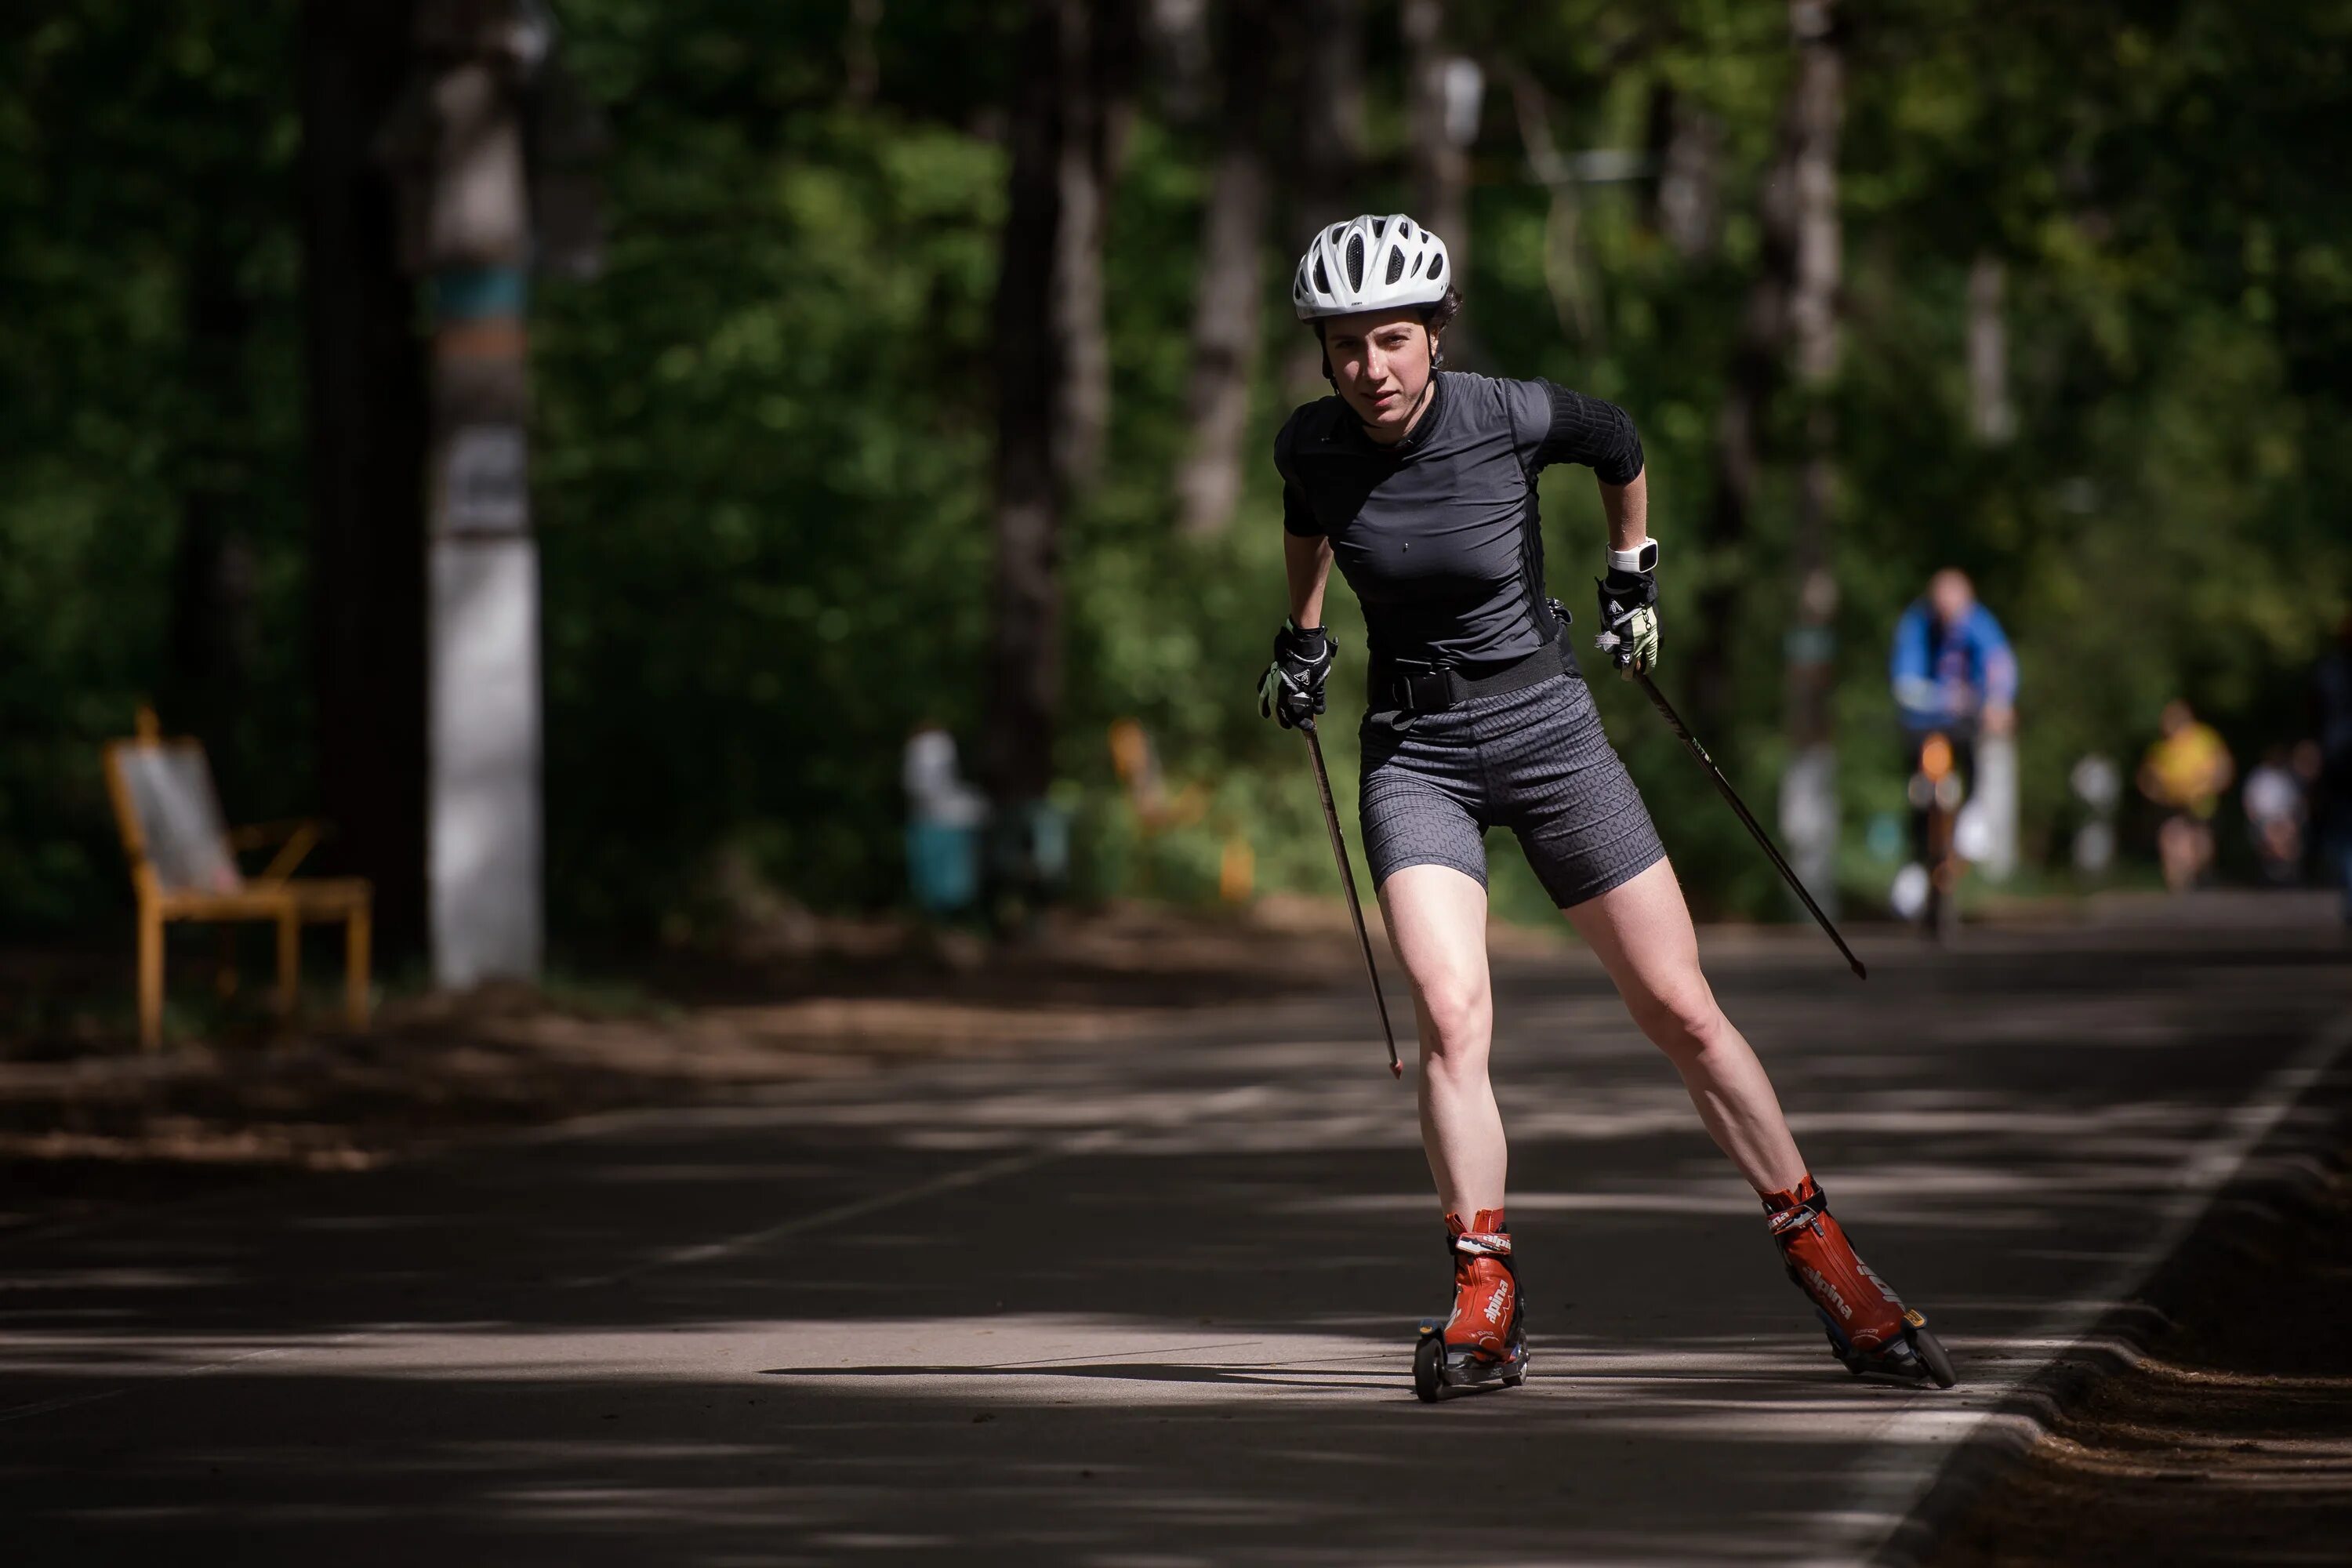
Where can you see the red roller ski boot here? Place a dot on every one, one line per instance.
(1869, 1328)
(1482, 1342)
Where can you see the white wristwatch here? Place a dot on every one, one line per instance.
(1642, 557)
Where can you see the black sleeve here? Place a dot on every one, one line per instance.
(1297, 516)
(1587, 430)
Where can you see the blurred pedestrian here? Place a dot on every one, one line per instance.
(944, 816)
(2275, 814)
(2185, 772)
(2331, 715)
(2098, 783)
(1951, 666)
(1955, 678)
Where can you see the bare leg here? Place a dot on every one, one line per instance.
(2176, 843)
(1437, 923)
(1642, 932)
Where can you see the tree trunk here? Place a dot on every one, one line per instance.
(487, 915)
(1025, 655)
(1991, 417)
(1328, 40)
(1563, 260)
(1183, 56)
(1323, 41)
(1226, 328)
(1809, 806)
(1081, 392)
(1759, 364)
(1755, 373)
(1687, 144)
(367, 411)
(1094, 69)
(1442, 95)
(1053, 366)
(861, 68)
(212, 571)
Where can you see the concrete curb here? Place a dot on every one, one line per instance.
(2301, 1150)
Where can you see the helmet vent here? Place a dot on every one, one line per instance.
(1369, 262)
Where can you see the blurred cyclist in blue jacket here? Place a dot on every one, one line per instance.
(1954, 675)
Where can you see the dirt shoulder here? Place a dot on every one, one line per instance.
(2231, 1442)
(88, 1123)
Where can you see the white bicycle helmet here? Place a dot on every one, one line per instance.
(1369, 264)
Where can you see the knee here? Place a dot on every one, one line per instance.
(1460, 1010)
(1680, 1018)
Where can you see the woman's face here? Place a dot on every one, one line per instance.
(1381, 363)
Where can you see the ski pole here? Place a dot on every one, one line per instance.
(1348, 881)
(1673, 719)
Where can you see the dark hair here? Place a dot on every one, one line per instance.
(1435, 319)
(1440, 316)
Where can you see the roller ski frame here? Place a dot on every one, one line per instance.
(1918, 1355)
(1437, 1372)
(1440, 1368)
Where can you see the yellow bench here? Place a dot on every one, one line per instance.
(184, 867)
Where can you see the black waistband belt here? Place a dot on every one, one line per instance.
(1394, 690)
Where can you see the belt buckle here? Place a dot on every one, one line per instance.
(1423, 691)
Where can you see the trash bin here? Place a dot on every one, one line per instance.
(943, 866)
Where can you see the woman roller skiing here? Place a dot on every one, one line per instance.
(1420, 484)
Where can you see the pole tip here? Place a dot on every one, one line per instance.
(1396, 1070)
(1859, 972)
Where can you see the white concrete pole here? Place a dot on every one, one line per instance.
(484, 774)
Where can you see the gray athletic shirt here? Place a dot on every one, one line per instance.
(1438, 534)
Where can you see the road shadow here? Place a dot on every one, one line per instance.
(1147, 1307)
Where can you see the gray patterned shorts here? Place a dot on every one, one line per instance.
(1534, 761)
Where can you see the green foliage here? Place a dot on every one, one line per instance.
(150, 354)
(763, 456)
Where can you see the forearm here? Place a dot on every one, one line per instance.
(1627, 508)
(1628, 590)
(1306, 562)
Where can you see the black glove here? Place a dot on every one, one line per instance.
(1291, 691)
(1629, 619)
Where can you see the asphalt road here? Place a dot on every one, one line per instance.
(1150, 1301)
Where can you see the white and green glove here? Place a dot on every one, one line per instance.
(1629, 610)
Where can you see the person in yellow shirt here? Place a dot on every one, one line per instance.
(2185, 772)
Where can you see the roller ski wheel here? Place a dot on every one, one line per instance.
(1429, 1366)
(1931, 1352)
(1439, 1369)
